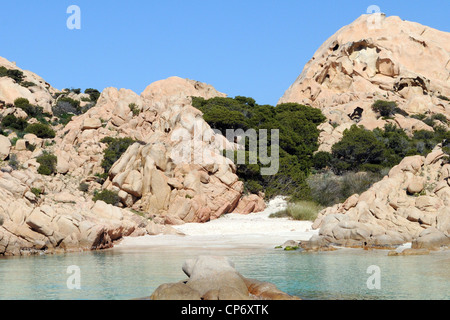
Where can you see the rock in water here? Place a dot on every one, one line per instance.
(215, 278)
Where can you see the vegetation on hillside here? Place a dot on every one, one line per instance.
(47, 163)
(14, 74)
(360, 159)
(116, 147)
(298, 134)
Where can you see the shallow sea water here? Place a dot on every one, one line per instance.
(120, 274)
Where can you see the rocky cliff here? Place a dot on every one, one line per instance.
(157, 184)
(397, 61)
(32, 87)
(392, 60)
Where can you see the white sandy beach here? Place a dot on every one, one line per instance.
(232, 230)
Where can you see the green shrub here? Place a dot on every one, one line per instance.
(27, 84)
(322, 159)
(67, 107)
(357, 147)
(84, 187)
(101, 177)
(297, 125)
(21, 103)
(441, 117)
(47, 163)
(94, 94)
(116, 147)
(31, 110)
(107, 196)
(41, 130)
(13, 162)
(30, 147)
(327, 189)
(387, 109)
(431, 120)
(11, 121)
(253, 187)
(14, 74)
(134, 108)
(74, 103)
(420, 116)
(36, 191)
(65, 118)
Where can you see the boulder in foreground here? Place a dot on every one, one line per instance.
(215, 278)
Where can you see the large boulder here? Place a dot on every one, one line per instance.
(5, 147)
(215, 278)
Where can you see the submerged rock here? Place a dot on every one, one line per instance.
(409, 252)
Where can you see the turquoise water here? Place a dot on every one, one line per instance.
(117, 274)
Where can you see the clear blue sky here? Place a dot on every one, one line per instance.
(241, 47)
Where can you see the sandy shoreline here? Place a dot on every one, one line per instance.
(232, 230)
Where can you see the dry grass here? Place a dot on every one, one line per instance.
(301, 210)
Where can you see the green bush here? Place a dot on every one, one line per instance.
(31, 110)
(387, 109)
(327, 189)
(13, 162)
(41, 130)
(12, 122)
(36, 191)
(357, 147)
(419, 116)
(74, 103)
(47, 163)
(322, 159)
(373, 151)
(21, 103)
(134, 108)
(27, 84)
(84, 187)
(30, 147)
(67, 107)
(116, 147)
(297, 125)
(64, 118)
(439, 116)
(94, 94)
(14, 74)
(107, 196)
